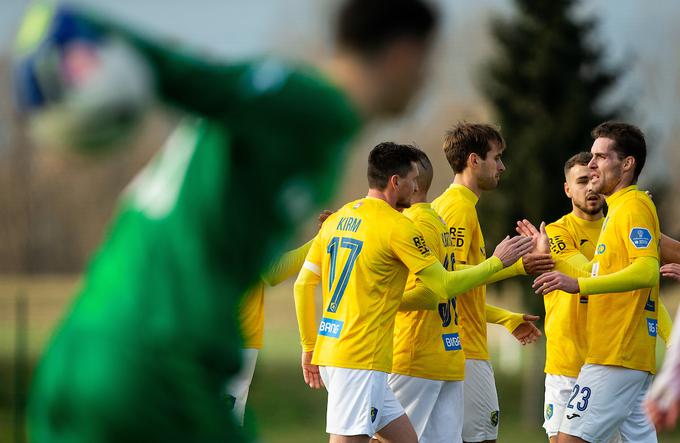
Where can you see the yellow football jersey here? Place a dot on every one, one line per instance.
(251, 309)
(364, 253)
(456, 206)
(427, 343)
(565, 314)
(622, 327)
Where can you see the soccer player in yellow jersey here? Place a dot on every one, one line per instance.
(251, 320)
(573, 238)
(623, 288)
(362, 257)
(429, 364)
(474, 153)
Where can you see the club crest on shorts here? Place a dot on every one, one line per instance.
(374, 414)
(494, 417)
(549, 411)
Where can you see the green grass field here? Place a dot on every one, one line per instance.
(283, 408)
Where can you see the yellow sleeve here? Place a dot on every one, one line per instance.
(409, 245)
(287, 266)
(499, 316)
(568, 257)
(513, 270)
(451, 283)
(577, 265)
(643, 272)
(665, 323)
(419, 298)
(305, 307)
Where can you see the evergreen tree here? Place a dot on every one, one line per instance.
(545, 84)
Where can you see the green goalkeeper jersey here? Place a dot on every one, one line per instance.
(154, 334)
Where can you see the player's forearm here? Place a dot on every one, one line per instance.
(453, 283)
(287, 266)
(670, 250)
(499, 316)
(576, 265)
(419, 298)
(665, 323)
(513, 270)
(643, 272)
(305, 308)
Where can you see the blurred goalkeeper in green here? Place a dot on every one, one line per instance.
(145, 350)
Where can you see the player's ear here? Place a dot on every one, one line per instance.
(629, 163)
(567, 190)
(473, 160)
(394, 181)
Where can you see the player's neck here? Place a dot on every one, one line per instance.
(584, 215)
(347, 74)
(466, 179)
(419, 197)
(624, 181)
(383, 195)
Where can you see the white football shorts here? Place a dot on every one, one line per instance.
(239, 386)
(557, 392)
(481, 411)
(359, 401)
(435, 407)
(606, 399)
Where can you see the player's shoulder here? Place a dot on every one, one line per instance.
(641, 198)
(456, 202)
(561, 224)
(637, 201)
(316, 94)
(423, 216)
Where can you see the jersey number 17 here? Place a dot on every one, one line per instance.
(334, 245)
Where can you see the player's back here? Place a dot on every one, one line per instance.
(427, 343)
(365, 251)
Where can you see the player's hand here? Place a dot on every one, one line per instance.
(323, 216)
(511, 249)
(663, 420)
(540, 236)
(310, 372)
(552, 281)
(527, 332)
(671, 270)
(538, 263)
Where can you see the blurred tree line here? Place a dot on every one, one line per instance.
(545, 85)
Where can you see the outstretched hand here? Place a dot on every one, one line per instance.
(540, 236)
(527, 332)
(310, 372)
(662, 419)
(511, 249)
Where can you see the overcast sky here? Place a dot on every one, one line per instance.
(644, 32)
